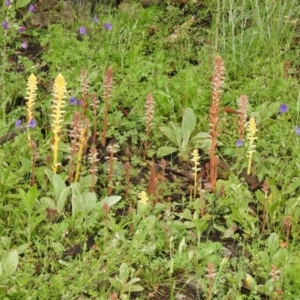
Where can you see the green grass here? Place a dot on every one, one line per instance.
(61, 241)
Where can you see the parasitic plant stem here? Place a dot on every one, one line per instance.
(58, 104)
(217, 83)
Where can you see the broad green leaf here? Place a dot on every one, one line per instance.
(9, 263)
(124, 273)
(273, 243)
(178, 132)
(77, 202)
(111, 200)
(85, 182)
(202, 135)
(169, 133)
(62, 199)
(46, 202)
(89, 200)
(116, 284)
(22, 3)
(136, 288)
(22, 248)
(49, 173)
(165, 150)
(185, 141)
(58, 184)
(188, 120)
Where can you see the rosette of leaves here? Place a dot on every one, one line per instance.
(182, 139)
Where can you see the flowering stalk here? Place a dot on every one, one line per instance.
(82, 143)
(195, 159)
(112, 150)
(31, 97)
(74, 135)
(242, 113)
(33, 149)
(211, 274)
(107, 95)
(95, 105)
(94, 168)
(84, 92)
(251, 138)
(149, 110)
(217, 82)
(58, 104)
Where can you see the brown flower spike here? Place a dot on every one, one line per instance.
(217, 83)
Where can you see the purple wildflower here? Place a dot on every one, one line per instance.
(22, 29)
(24, 45)
(96, 19)
(283, 108)
(82, 30)
(5, 25)
(297, 130)
(108, 26)
(79, 102)
(7, 3)
(18, 123)
(31, 123)
(73, 100)
(239, 143)
(31, 8)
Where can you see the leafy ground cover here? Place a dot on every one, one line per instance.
(151, 153)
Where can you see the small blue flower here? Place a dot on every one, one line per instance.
(7, 3)
(32, 123)
(108, 26)
(73, 100)
(31, 8)
(283, 108)
(297, 130)
(82, 30)
(96, 19)
(79, 102)
(5, 25)
(18, 123)
(239, 143)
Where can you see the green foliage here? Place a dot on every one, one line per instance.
(8, 267)
(86, 244)
(181, 137)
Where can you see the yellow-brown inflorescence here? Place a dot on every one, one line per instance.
(82, 144)
(31, 97)
(58, 104)
(195, 159)
(251, 139)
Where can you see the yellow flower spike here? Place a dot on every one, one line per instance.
(251, 138)
(58, 104)
(82, 143)
(31, 96)
(195, 159)
(144, 198)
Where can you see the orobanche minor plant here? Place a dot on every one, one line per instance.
(181, 137)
